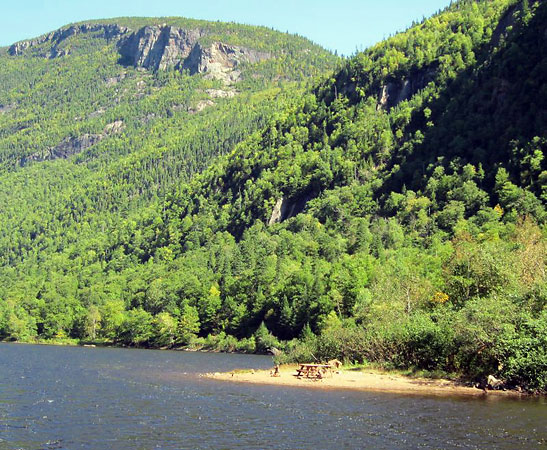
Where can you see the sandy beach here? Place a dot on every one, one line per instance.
(358, 379)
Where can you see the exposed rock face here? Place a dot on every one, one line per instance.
(213, 94)
(112, 81)
(221, 61)
(394, 92)
(56, 37)
(6, 108)
(508, 20)
(114, 128)
(73, 145)
(66, 148)
(220, 93)
(277, 212)
(159, 47)
(285, 209)
(200, 106)
(493, 383)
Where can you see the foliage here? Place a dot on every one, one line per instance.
(408, 186)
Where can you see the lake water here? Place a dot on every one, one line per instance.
(107, 398)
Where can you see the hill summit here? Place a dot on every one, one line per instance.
(156, 47)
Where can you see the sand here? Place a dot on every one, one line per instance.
(358, 379)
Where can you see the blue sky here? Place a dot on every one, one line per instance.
(342, 25)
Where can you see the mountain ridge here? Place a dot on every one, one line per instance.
(192, 46)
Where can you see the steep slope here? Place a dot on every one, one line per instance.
(421, 191)
(89, 70)
(395, 213)
(417, 242)
(87, 140)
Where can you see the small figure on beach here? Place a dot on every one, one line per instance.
(493, 383)
(275, 371)
(335, 364)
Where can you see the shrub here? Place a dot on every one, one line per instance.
(246, 345)
(297, 351)
(423, 343)
(265, 341)
(347, 343)
(525, 363)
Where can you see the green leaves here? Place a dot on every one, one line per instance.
(525, 362)
(408, 190)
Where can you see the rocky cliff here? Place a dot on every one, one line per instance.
(221, 61)
(155, 47)
(286, 208)
(73, 145)
(394, 92)
(56, 37)
(160, 47)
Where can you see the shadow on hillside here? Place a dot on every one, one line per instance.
(499, 100)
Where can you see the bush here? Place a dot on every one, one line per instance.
(265, 341)
(479, 329)
(246, 345)
(526, 355)
(298, 351)
(417, 341)
(422, 343)
(347, 343)
(136, 328)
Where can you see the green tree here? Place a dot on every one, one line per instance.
(188, 325)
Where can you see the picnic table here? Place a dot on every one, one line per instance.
(314, 371)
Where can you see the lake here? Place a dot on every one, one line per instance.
(107, 398)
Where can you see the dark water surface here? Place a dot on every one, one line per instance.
(106, 398)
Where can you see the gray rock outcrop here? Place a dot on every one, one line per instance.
(160, 47)
(220, 93)
(493, 383)
(66, 148)
(71, 146)
(105, 31)
(394, 92)
(6, 108)
(156, 47)
(277, 213)
(74, 145)
(221, 61)
(286, 208)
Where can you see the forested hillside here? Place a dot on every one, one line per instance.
(89, 141)
(392, 213)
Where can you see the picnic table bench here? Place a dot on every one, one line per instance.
(315, 371)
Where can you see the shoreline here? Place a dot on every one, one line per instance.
(361, 380)
(98, 344)
(356, 379)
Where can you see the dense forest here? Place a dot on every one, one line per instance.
(390, 212)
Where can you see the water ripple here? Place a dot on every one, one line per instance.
(67, 398)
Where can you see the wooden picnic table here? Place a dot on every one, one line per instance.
(315, 371)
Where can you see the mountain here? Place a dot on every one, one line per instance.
(77, 82)
(98, 120)
(393, 212)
